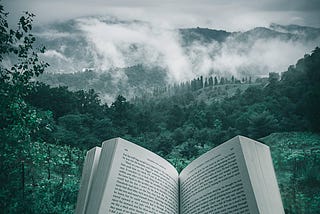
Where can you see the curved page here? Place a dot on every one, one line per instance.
(217, 182)
(139, 181)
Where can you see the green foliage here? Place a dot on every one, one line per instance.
(17, 46)
(50, 176)
(21, 124)
(296, 158)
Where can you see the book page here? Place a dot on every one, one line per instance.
(139, 181)
(100, 177)
(262, 176)
(217, 182)
(88, 172)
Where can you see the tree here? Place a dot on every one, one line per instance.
(20, 122)
(262, 124)
(16, 46)
(175, 117)
(89, 102)
(222, 81)
(215, 81)
(121, 115)
(206, 83)
(273, 77)
(59, 100)
(210, 81)
(312, 97)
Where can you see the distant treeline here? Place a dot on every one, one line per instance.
(200, 83)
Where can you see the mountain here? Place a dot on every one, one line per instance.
(202, 35)
(66, 47)
(265, 33)
(309, 33)
(129, 81)
(134, 56)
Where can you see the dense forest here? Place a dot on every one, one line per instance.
(46, 130)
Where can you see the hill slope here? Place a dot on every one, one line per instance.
(296, 157)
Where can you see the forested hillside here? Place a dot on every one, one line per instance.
(296, 158)
(45, 130)
(163, 122)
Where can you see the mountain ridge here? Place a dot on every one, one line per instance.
(116, 48)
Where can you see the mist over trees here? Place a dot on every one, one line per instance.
(94, 52)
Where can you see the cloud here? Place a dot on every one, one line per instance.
(53, 34)
(255, 57)
(55, 54)
(106, 43)
(127, 44)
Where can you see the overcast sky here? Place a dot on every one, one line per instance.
(230, 15)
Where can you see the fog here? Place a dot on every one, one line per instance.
(117, 44)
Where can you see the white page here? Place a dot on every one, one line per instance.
(139, 181)
(217, 182)
(88, 172)
(262, 176)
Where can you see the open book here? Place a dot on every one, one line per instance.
(235, 177)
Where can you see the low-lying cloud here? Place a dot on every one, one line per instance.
(259, 58)
(127, 44)
(117, 44)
